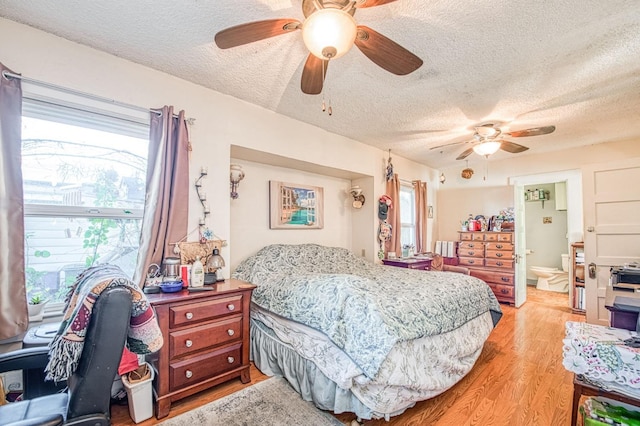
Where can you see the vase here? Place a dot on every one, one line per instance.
(36, 311)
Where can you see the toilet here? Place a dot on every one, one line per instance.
(553, 279)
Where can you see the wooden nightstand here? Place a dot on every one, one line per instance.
(206, 340)
(423, 263)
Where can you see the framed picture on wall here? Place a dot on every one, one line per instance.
(293, 206)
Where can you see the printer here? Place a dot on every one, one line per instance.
(623, 296)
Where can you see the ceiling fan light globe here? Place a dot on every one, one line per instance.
(329, 33)
(487, 148)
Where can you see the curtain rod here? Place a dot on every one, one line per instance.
(7, 75)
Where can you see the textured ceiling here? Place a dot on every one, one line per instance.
(574, 64)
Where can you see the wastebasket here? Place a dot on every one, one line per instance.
(140, 395)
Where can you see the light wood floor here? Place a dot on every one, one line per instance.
(518, 379)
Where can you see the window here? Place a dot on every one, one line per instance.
(84, 174)
(407, 215)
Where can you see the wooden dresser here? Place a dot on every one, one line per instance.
(206, 340)
(490, 257)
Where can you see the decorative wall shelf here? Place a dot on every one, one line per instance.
(537, 195)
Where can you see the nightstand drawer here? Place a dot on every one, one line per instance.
(210, 364)
(197, 312)
(204, 336)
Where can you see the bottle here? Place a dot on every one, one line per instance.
(197, 273)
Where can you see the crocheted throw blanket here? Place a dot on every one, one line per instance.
(144, 334)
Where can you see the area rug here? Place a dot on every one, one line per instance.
(272, 402)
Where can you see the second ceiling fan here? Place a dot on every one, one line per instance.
(329, 31)
(488, 139)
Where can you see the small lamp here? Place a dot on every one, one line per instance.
(214, 264)
(236, 175)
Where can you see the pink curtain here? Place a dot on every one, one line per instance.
(167, 198)
(14, 317)
(420, 191)
(393, 216)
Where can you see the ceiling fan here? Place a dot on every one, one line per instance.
(488, 139)
(329, 30)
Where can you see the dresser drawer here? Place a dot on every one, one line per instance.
(466, 236)
(205, 336)
(201, 367)
(497, 277)
(502, 291)
(505, 237)
(197, 312)
(499, 263)
(470, 245)
(499, 246)
(479, 252)
(471, 261)
(499, 254)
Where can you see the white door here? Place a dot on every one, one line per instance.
(612, 227)
(520, 246)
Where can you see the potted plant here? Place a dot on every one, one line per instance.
(36, 307)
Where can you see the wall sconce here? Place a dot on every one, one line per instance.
(358, 198)
(442, 178)
(236, 175)
(202, 197)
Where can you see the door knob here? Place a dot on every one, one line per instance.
(590, 229)
(592, 270)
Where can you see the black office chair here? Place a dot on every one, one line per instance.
(88, 395)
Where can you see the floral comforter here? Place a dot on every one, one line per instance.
(364, 308)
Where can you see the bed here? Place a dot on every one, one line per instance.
(354, 336)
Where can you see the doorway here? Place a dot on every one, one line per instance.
(574, 222)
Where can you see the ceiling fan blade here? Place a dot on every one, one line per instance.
(313, 75)
(534, 131)
(254, 31)
(372, 3)
(447, 145)
(385, 52)
(512, 147)
(465, 154)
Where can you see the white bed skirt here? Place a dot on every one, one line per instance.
(319, 372)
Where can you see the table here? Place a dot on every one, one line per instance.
(583, 387)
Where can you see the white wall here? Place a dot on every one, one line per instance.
(458, 197)
(221, 121)
(250, 219)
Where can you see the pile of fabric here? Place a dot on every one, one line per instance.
(144, 335)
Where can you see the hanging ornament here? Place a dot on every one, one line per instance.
(468, 172)
(389, 168)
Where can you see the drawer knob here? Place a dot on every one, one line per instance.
(504, 291)
(471, 261)
(470, 245)
(231, 307)
(188, 343)
(499, 255)
(189, 315)
(499, 246)
(188, 374)
(505, 279)
(499, 263)
(230, 360)
(230, 332)
(471, 253)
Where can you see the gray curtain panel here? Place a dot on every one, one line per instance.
(14, 317)
(167, 198)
